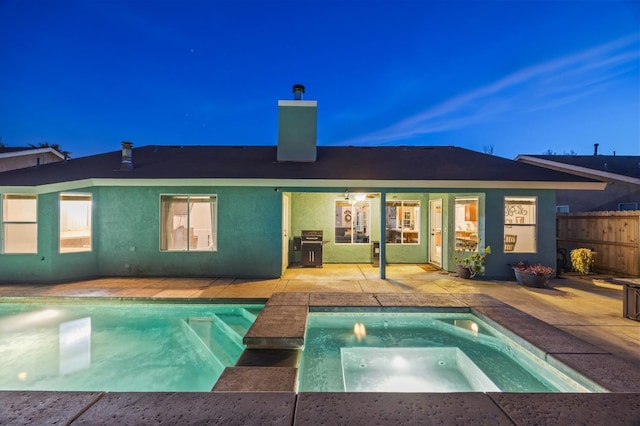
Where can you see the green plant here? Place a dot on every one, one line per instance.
(581, 260)
(467, 257)
(536, 269)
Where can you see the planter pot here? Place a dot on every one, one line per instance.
(463, 272)
(529, 279)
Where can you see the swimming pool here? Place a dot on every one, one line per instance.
(120, 345)
(421, 352)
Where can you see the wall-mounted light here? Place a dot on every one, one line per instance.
(346, 194)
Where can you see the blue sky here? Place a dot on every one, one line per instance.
(521, 77)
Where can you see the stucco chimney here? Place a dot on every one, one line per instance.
(127, 156)
(297, 127)
(595, 148)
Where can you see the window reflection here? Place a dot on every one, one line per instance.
(20, 226)
(188, 222)
(75, 222)
(352, 222)
(402, 222)
(466, 223)
(520, 219)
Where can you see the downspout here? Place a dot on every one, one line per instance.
(383, 236)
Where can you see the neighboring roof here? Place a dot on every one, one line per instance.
(435, 166)
(7, 152)
(623, 168)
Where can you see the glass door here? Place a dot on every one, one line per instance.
(435, 234)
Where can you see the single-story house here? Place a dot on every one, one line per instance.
(620, 172)
(12, 158)
(236, 211)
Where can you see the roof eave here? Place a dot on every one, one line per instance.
(306, 183)
(577, 170)
(32, 152)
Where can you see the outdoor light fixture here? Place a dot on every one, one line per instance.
(346, 194)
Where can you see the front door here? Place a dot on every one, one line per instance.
(435, 234)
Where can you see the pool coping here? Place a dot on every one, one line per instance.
(270, 373)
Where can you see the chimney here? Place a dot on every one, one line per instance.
(595, 148)
(297, 128)
(127, 156)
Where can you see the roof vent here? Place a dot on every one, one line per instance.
(127, 156)
(595, 148)
(298, 91)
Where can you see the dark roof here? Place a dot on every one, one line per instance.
(7, 149)
(625, 165)
(259, 162)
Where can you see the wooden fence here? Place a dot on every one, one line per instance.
(613, 235)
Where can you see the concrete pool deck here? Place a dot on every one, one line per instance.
(590, 333)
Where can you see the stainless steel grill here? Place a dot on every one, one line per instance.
(311, 248)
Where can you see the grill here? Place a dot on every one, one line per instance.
(311, 248)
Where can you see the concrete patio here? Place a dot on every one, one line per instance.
(586, 309)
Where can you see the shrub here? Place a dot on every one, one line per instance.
(581, 260)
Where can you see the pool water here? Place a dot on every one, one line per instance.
(420, 352)
(121, 346)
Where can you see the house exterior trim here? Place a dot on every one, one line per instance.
(577, 170)
(31, 152)
(352, 185)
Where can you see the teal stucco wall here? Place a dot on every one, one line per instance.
(48, 265)
(498, 264)
(126, 240)
(249, 230)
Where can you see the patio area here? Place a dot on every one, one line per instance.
(589, 309)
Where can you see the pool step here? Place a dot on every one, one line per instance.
(218, 337)
(278, 327)
(237, 319)
(222, 332)
(201, 349)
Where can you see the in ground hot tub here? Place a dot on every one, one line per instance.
(422, 352)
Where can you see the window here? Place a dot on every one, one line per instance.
(19, 223)
(520, 218)
(627, 206)
(75, 223)
(562, 209)
(402, 222)
(352, 222)
(466, 223)
(188, 223)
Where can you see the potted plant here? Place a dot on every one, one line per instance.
(536, 275)
(470, 262)
(581, 260)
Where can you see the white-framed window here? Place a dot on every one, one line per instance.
(402, 222)
(19, 223)
(520, 224)
(75, 222)
(562, 209)
(188, 222)
(627, 206)
(466, 223)
(352, 222)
